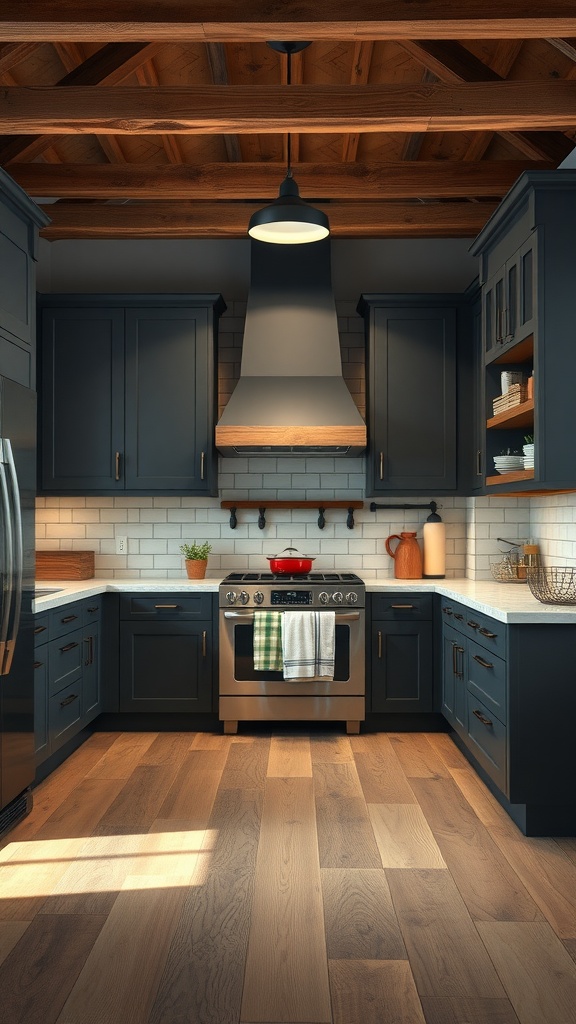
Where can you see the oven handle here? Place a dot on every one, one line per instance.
(249, 616)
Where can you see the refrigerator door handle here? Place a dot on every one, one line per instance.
(7, 566)
(17, 558)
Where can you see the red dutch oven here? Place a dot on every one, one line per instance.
(294, 564)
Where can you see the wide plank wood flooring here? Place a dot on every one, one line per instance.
(281, 876)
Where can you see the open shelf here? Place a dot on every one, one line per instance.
(523, 352)
(510, 478)
(518, 416)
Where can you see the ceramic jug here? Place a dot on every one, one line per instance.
(407, 556)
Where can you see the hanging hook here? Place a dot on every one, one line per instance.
(321, 519)
(262, 518)
(233, 519)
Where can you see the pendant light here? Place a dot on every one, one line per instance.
(289, 220)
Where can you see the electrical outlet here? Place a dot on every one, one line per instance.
(121, 545)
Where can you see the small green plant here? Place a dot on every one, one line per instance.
(196, 552)
(528, 438)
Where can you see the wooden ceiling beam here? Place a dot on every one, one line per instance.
(219, 71)
(230, 220)
(428, 179)
(566, 46)
(453, 63)
(227, 20)
(202, 110)
(12, 53)
(361, 61)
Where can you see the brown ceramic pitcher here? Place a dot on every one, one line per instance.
(407, 556)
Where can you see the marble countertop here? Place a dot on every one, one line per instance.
(507, 602)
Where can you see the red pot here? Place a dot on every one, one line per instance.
(295, 564)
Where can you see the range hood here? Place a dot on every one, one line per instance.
(291, 398)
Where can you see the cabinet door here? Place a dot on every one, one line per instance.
(166, 666)
(402, 670)
(82, 412)
(413, 400)
(454, 672)
(91, 697)
(41, 703)
(169, 375)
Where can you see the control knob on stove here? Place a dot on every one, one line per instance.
(243, 597)
(258, 597)
(323, 597)
(337, 597)
(352, 598)
(231, 597)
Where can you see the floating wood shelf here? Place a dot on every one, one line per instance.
(523, 352)
(518, 416)
(263, 505)
(510, 478)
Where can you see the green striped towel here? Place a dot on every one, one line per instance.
(268, 641)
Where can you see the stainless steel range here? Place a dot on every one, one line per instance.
(248, 694)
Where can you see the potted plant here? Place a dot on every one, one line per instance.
(196, 558)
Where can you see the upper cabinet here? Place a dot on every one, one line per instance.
(416, 430)
(20, 220)
(128, 394)
(527, 273)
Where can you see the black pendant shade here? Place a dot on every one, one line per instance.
(289, 220)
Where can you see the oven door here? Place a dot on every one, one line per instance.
(238, 675)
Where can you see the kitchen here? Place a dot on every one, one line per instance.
(534, 879)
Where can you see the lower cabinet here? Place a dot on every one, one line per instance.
(401, 653)
(67, 677)
(166, 653)
(474, 686)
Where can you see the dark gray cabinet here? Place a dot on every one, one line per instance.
(166, 653)
(401, 653)
(20, 221)
(67, 674)
(412, 382)
(128, 394)
(527, 270)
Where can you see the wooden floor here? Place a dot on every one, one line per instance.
(175, 878)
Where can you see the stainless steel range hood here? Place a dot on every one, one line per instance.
(291, 398)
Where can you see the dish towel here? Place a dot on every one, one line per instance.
(268, 641)
(308, 640)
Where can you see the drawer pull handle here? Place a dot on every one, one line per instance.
(166, 606)
(473, 625)
(447, 611)
(203, 643)
(68, 618)
(39, 629)
(381, 465)
(38, 664)
(68, 700)
(117, 466)
(485, 664)
(486, 632)
(458, 616)
(202, 457)
(402, 606)
(485, 721)
(454, 662)
(92, 610)
(68, 647)
(90, 657)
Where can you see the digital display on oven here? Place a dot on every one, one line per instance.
(285, 597)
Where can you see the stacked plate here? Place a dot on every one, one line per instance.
(528, 456)
(508, 463)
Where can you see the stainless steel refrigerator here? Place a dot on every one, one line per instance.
(17, 494)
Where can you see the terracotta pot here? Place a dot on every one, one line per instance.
(407, 556)
(196, 568)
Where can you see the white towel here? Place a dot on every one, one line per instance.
(308, 640)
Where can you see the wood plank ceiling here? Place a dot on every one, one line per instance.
(410, 119)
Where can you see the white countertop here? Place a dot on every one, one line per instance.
(508, 602)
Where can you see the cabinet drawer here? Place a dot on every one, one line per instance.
(402, 606)
(41, 628)
(65, 660)
(166, 606)
(490, 633)
(488, 740)
(64, 710)
(63, 620)
(487, 679)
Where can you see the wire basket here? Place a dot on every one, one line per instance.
(506, 571)
(554, 585)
